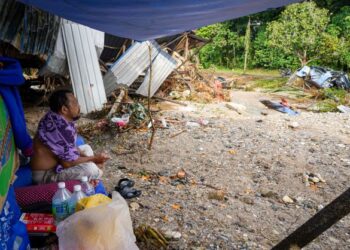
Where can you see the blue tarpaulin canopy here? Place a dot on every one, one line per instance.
(150, 19)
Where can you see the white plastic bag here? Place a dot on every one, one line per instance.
(104, 227)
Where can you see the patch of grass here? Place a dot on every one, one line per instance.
(340, 96)
(239, 71)
(270, 83)
(257, 72)
(290, 91)
(326, 106)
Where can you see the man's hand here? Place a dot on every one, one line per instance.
(101, 158)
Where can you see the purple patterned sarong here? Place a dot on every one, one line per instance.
(59, 136)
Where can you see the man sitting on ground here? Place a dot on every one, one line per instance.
(56, 157)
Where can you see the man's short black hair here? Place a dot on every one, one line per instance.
(58, 99)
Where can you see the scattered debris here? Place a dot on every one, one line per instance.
(310, 178)
(324, 78)
(152, 237)
(232, 151)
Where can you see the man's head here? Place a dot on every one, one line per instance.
(63, 102)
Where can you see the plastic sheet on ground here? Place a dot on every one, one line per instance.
(279, 107)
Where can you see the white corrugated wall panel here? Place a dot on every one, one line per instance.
(129, 66)
(84, 67)
(162, 66)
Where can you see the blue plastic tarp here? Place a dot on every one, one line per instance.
(150, 19)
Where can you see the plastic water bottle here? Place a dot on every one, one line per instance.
(60, 202)
(76, 196)
(86, 187)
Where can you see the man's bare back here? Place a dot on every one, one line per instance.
(43, 158)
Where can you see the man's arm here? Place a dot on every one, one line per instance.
(97, 159)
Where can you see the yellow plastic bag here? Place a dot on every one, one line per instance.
(92, 201)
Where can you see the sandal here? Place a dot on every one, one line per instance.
(129, 193)
(125, 182)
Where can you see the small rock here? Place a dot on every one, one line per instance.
(287, 199)
(247, 200)
(245, 237)
(134, 206)
(306, 180)
(260, 120)
(264, 113)
(268, 194)
(320, 178)
(173, 235)
(294, 125)
(275, 232)
(320, 207)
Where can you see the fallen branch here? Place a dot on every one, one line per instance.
(117, 102)
(179, 133)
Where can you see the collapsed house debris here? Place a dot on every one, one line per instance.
(320, 77)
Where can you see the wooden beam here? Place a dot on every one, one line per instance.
(319, 223)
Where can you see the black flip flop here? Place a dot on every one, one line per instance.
(125, 182)
(129, 193)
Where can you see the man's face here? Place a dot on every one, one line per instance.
(73, 107)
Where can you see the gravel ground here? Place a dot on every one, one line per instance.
(237, 170)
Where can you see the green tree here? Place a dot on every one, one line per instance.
(223, 48)
(340, 26)
(272, 58)
(299, 30)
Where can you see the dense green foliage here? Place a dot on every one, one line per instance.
(313, 33)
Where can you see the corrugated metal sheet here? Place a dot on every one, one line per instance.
(57, 62)
(128, 67)
(28, 29)
(162, 66)
(84, 67)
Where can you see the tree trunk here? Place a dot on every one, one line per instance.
(246, 46)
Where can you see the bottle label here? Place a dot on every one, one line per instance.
(60, 211)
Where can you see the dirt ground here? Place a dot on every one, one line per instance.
(237, 168)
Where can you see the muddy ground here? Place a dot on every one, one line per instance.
(237, 168)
